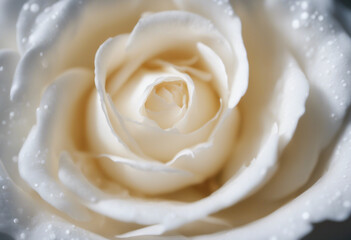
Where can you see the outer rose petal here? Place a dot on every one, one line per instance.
(332, 192)
(38, 156)
(330, 92)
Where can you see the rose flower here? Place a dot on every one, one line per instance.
(173, 119)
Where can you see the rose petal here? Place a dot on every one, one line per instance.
(330, 95)
(11, 124)
(172, 140)
(37, 162)
(277, 93)
(332, 192)
(222, 15)
(217, 67)
(14, 219)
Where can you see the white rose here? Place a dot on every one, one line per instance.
(173, 118)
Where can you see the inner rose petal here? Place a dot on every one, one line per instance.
(183, 142)
(167, 103)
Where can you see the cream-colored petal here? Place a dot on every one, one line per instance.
(52, 36)
(101, 111)
(17, 207)
(173, 140)
(227, 22)
(324, 59)
(174, 30)
(206, 158)
(216, 66)
(332, 192)
(38, 157)
(286, 106)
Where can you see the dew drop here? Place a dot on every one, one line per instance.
(321, 29)
(229, 11)
(68, 232)
(36, 185)
(305, 215)
(348, 72)
(295, 24)
(22, 236)
(11, 115)
(1, 68)
(34, 7)
(4, 187)
(320, 18)
(25, 6)
(46, 106)
(304, 15)
(304, 5)
(15, 220)
(41, 54)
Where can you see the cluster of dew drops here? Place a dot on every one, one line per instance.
(304, 18)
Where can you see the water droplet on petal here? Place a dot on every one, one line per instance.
(22, 236)
(1, 68)
(34, 7)
(295, 24)
(11, 115)
(15, 220)
(304, 15)
(25, 6)
(305, 215)
(304, 5)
